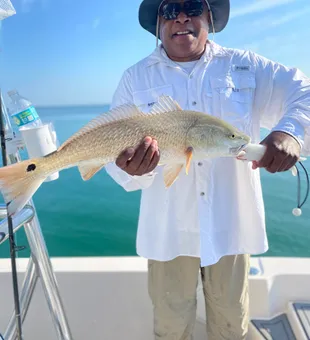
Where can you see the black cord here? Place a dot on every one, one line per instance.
(299, 204)
(1, 336)
(13, 247)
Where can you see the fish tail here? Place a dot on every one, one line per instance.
(19, 182)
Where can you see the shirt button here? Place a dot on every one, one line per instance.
(199, 163)
(202, 194)
(194, 103)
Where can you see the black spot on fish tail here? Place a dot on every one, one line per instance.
(31, 167)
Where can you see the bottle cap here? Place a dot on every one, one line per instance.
(12, 93)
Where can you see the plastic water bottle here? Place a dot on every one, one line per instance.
(40, 139)
(23, 112)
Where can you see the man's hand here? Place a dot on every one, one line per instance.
(139, 161)
(282, 152)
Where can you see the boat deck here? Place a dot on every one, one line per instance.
(106, 298)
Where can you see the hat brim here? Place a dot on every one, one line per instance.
(148, 14)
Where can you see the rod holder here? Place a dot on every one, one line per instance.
(24, 216)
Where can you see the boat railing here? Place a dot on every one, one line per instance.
(39, 265)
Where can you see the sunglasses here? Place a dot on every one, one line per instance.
(171, 10)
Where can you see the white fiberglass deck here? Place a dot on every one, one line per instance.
(106, 298)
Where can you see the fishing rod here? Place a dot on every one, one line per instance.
(13, 248)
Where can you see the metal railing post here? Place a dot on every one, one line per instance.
(27, 290)
(39, 266)
(48, 279)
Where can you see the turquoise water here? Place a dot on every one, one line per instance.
(98, 218)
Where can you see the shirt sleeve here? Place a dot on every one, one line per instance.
(123, 95)
(283, 100)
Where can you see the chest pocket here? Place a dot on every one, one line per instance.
(145, 99)
(232, 99)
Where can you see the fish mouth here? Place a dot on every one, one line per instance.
(236, 150)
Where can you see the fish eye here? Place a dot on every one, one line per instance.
(232, 136)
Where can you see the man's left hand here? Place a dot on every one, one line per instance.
(282, 152)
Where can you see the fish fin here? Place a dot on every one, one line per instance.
(18, 184)
(171, 173)
(165, 104)
(89, 169)
(189, 156)
(118, 113)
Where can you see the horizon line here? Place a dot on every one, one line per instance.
(71, 105)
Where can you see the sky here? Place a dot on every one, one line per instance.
(73, 52)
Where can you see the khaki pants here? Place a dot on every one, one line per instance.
(172, 289)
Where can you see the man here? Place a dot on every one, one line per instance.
(210, 220)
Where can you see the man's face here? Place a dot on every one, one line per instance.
(184, 37)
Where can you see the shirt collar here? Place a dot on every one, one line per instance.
(159, 55)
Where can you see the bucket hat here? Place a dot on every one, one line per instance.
(148, 11)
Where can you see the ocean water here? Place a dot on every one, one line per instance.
(98, 218)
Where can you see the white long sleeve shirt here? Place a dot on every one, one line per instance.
(217, 209)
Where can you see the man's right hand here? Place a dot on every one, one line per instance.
(139, 161)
